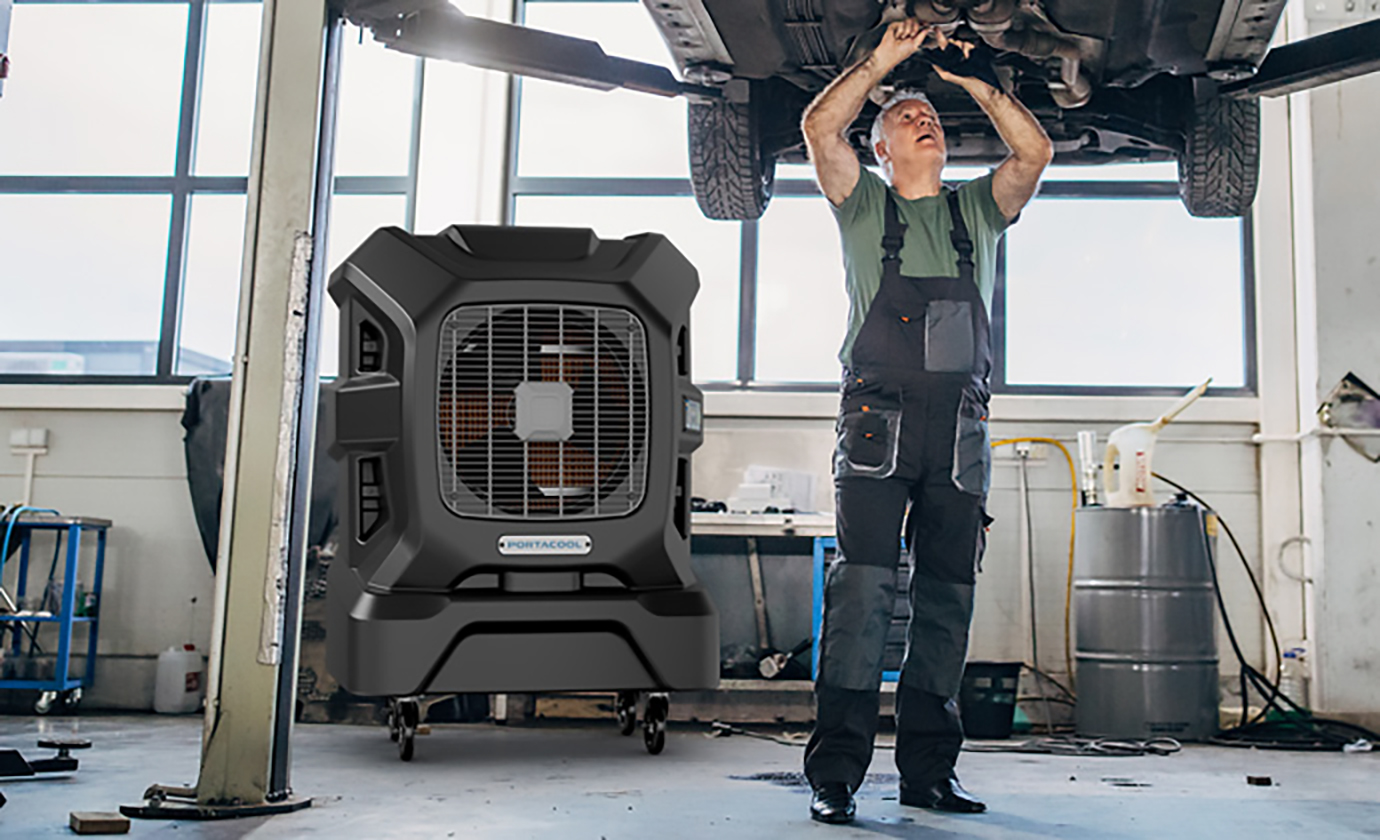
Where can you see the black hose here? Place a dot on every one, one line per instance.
(1297, 728)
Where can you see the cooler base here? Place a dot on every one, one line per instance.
(407, 644)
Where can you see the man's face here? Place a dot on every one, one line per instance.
(912, 137)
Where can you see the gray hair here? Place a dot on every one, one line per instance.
(891, 102)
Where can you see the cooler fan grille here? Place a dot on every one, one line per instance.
(587, 457)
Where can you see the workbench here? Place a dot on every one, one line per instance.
(819, 526)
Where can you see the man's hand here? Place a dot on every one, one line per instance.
(975, 86)
(1016, 179)
(901, 40)
(838, 105)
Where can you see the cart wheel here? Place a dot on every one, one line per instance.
(654, 723)
(44, 704)
(408, 711)
(71, 699)
(393, 728)
(627, 712)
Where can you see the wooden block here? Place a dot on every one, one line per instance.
(95, 822)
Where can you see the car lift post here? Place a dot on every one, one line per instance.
(245, 758)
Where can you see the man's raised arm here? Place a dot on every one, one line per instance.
(1015, 180)
(833, 111)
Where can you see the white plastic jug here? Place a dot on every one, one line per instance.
(1132, 447)
(181, 683)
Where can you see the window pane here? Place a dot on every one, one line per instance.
(571, 131)
(806, 172)
(353, 219)
(211, 291)
(1123, 292)
(375, 120)
(1107, 172)
(93, 89)
(795, 171)
(225, 118)
(1157, 171)
(713, 248)
(802, 308)
(96, 308)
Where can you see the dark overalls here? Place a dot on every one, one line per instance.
(912, 428)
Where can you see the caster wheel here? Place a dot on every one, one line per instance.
(627, 712)
(71, 699)
(393, 727)
(408, 714)
(44, 704)
(654, 723)
(654, 736)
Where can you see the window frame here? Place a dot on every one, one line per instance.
(517, 185)
(182, 184)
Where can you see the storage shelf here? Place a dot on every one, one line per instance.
(45, 618)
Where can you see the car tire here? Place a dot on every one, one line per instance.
(731, 173)
(1220, 163)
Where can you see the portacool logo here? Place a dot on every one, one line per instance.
(573, 544)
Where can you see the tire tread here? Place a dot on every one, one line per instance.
(730, 173)
(1220, 163)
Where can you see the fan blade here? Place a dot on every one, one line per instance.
(558, 470)
(465, 416)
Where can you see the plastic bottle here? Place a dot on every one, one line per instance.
(180, 684)
(1293, 678)
(1131, 448)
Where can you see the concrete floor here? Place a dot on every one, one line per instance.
(482, 781)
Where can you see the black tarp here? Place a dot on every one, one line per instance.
(205, 418)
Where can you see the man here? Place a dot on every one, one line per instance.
(912, 423)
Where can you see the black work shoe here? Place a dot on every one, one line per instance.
(943, 795)
(832, 803)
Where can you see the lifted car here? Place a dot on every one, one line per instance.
(1110, 81)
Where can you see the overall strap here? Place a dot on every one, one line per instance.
(959, 236)
(893, 237)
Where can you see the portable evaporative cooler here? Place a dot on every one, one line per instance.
(515, 419)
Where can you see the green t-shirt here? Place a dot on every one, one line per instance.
(927, 252)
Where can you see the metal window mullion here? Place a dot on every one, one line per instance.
(599, 185)
(414, 152)
(370, 185)
(117, 184)
(998, 320)
(747, 303)
(175, 268)
(1251, 374)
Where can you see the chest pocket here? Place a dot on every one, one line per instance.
(950, 341)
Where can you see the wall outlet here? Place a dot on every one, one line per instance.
(28, 438)
(1012, 451)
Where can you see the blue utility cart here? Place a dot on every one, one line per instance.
(70, 613)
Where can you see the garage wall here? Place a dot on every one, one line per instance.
(1346, 207)
(126, 465)
(1216, 459)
